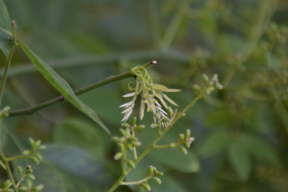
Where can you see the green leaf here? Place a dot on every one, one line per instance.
(215, 143)
(258, 148)
(5, 29)
(240, 160)
(61, 85)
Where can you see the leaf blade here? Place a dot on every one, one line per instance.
(5, 29)
(61, 85)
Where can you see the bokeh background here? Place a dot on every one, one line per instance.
(240, 132)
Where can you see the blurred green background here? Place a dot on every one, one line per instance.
(240, 132)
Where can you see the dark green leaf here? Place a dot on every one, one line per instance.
(215, 143)
(5, 29)
(61, 85)
(240, 160)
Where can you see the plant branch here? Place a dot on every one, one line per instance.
(173, 120)
(111, 79)
(136, 182)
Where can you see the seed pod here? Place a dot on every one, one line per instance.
(146, 186)
(134, 120)
(187, 133)
(183, 150)
(30, 176)
(118, 156)
(157, 180)
(131, 164)
(126, 125)
(150, 170)
(154, 125)
(20, 170)
(181, 137)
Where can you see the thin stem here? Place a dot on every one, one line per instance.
(20, 180)
(17, 157)
(111, 79)
(136, 182)
(175, 118)
(124, 159)
(161, 146)
(134, 148)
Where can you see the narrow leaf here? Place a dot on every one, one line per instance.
(5, 29)
(61, 85)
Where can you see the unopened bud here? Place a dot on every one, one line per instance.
(150, 170)
(39, 187)
(6, 184)
(121, 146)
(197, 87)
(219, 86)
(38, 156)
(134, 120)
(173, 145)
(35, 160)
(30, 176)
(183, 150)
(146, 186)
(181, 136)
(23, 188)
(20, 170)
(140, 127)
(157, 180)
(187, 144)
(136, 143)
(118, 156)
(126, 125)
(206, 78)
(154, 125)
(129, 147)
(115, 139)
(131, 164)
(158, 173)
(187, 133)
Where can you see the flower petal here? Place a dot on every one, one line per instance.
(129, 94)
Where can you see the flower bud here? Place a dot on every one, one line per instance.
(206, 78)
(118, 156)
(38, 156)
(35, 160)
(158, 173)
(154, 125)
(42, 147)
(121, 146)
(181, 136)
(127, 131)
(123, 132)
(39, 187)
(32, 142)
(23, 188)
(146, 186)
(20, 170)
(134, 120)
(157, 180)
(187, 144)
(6, 184)
(136, 143)
(170, 111)
(197, 88)
(173, 145)
(129, 147)
(183, 150)
(38, 143)
(115, 139)
(30, 176)
(150, 170)
(8, 190)
(131, 164)
(187, 133)
(140, 127)
(26, 152)
(28, 169)
(219, 86)
(126, 125)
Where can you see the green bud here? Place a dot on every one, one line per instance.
(123, 132)
(134, 120)
(181, 136)
(38, 143)
(28, 169)
(8, 190)
(122, 139)
(6, 184)
(131, 164)
(118, 156)
(136, 144)
(183, 150)
(146, 186)
(191, 139)
(39, 187)
(42, 147)
(155, 169)
(154, 125)
(35, 160)
(26, 152)
(127, 131)
(197, 87)
(6, 109)
(219, 86)
(126, 125)
(129, 147)
(23, 188)
(121, 146)
(157, 180)
(187, 144)
(30, 176)
(140, 127)
(29, 183)
(32, 142)
(187, 133)
(158, 173)
(20, 170)
(206, 78)
(150, 170)
(165, 120)
(38, 156)
(170, 111)
(115, 139)
(173, 145)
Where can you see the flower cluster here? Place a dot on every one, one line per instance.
(210, 84)
(151, 96)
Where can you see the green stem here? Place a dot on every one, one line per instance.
(111, 79)
(134, 148)
(175, 118)
(20, 180)
(17, 157)
(124, 159)
(136, 182)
